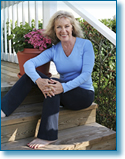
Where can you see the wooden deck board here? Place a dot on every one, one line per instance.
(86, 137)
(10, 64)
(9, 73)
(16, 70)
(15, 126)
(25, 112)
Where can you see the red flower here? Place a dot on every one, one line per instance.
(37, 40)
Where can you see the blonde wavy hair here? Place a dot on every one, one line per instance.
(50, 31)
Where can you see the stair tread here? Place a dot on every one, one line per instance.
(76, 138)
(33, 111)
(25, 121)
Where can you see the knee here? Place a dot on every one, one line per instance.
(25, 76)
(26, 79)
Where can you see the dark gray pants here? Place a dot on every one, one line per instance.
(75, 99)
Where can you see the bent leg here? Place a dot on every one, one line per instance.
(77, 99)
(48, 130)
(17, 94)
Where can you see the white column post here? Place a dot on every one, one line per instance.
(49, 8)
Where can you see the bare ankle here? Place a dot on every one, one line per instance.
(2, 114)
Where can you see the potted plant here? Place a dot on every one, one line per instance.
(28, 43)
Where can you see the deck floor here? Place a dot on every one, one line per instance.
(9, 73)
(9, 76)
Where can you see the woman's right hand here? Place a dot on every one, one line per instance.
(43, 84)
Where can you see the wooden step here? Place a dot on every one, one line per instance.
(86, 137)
(24, 122)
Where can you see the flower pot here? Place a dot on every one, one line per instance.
(27, 54)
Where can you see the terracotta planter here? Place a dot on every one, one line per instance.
(27, 54)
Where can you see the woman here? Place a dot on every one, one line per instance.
(74, 60)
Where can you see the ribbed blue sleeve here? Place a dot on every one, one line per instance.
(31, 65)
(87, 67)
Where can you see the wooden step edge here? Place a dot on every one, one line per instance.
(22, 145)
(88, 131)
(83, 144)
(93, 106)
(80, 142)
(21, 116)
(36, 114)
(7, 88)
(30, 127)
(103, 145)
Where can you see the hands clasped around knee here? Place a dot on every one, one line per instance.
(49, 87)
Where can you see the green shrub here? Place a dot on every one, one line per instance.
(104, 72)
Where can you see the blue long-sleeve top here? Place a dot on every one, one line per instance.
(75, 70)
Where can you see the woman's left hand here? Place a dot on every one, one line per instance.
(57, 87)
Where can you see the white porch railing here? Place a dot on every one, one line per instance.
(48, 9)
(7, 8)
(104, 30)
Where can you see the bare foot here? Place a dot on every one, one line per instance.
(2, 114)
(39, 143)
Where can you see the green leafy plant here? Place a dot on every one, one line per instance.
(18, 41)
(104, 72)
(17, 37)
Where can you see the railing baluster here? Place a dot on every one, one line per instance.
(2, 53)
(18, 24)
(29, 15)
(13, 25)
(14, 56)
(9, 32)
(23, 15)
(5, 32)
(36, 15)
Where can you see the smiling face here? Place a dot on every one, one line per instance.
(63, 29)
